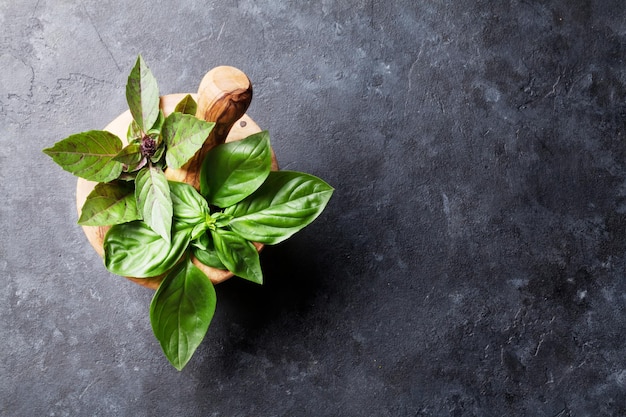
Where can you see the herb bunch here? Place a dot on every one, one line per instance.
(159, 226)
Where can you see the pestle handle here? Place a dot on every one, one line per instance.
(223, 97)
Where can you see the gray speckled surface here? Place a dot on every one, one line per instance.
(471, 262)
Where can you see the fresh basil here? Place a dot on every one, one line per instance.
(238, 255)
(184, 135)
(154, 201)
(187, 106)
(180, 312)
(199, 230)
(157, 156)
(205, 253)
(131, 157)
(232, 171)
(134, 132)
(89, 155)
(142, 95)
(221, 219)
(285, 203)
(188, 204)
(203, 242)
(158, 225)
(109, 203)
(158, 125)
(135, 250)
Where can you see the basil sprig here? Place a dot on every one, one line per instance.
(158, 226)
(283, 204)
(154, 142)
(181, 310)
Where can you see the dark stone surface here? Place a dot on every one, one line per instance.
(471, 262)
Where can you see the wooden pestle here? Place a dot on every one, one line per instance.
(223, 97)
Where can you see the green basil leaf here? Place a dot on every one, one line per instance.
(202, 242)
(154, 202)
(189, 206)
(238, 255)
(221, 219)
(285, 203)
(187, 106)
(135, 250)
(142, 95)
(199, 230)
(232, 171)
(158, 155)
(181, 311)
(109, 203)
(205, 252)
(128, 176)
(89, 155)
(131, 154)
(134, 132)
(184, 135)
(158, 124)
(131, 157)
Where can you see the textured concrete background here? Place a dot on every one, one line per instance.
(471, 262)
